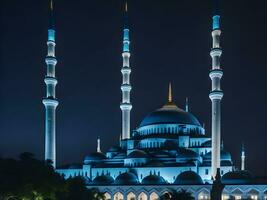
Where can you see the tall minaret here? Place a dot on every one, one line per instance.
(98, 149)
(216, 93)
(50, 102)
(243, 157)
(126, 105)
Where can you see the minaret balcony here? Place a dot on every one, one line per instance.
(126, 88)
(51, 60)
(50, 101)
(215, 52)
(126, 54)
(126, 70)
(216, 73)
(216, 95)
(126, 106)
(50, 80)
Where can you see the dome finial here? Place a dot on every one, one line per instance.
(51, 5)
(170, 93)
(126, 6)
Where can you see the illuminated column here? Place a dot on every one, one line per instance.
(98, 145)
(50, 102)
(243, 158)
(216, 95)
(126, 105)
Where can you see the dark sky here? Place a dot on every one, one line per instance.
(170, 41)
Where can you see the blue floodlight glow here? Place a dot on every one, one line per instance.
(216, 22)
(51, 35)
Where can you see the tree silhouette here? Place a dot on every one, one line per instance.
(31, 179)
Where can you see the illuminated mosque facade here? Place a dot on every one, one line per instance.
(168, 151)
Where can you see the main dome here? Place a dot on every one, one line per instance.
(170, 114)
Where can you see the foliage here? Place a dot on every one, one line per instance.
(31, 179)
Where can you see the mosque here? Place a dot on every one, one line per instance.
(168, 151)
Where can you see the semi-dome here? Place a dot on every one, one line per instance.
(237, 177)
(103, 180)
(224, 156)
(126, 178)
(137, 154)
(153, 180)
(188, 178)
(170, 114)
(95, 156)
(183, 153)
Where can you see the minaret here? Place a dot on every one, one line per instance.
(126, 105)
(50, 102)
(243, 157)
(216, 93)
(186, 105)
(170, 93)
(98, 145)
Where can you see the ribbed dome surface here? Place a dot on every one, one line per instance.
(126, 178)
(95, 156)
(170, 114)
(137, 154)
(103, 180)
(237, 177)
(186, 154)
(153, 180)
(188, 178)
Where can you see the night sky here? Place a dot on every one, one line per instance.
(170, 41)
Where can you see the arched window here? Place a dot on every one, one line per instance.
(118, 196)
(153, 196)
(107, 196)
(142, 196)
(131, 196)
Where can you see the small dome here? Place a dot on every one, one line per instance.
(170, 114)
(137, 154)
(224, 156)
(126, 178)
(103, 180)
(153, 180)
(184, 153)
(237, 177)
(95, 156)
(188, 178)
(114, 149)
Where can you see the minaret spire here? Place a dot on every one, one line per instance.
(216, 93)
(98, 149)
(170, 93)
(243, 157)
(186, 105)
(126, 87)
(50, 102)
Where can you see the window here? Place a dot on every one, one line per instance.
(254, 197)
(207, 171)
(238, 197)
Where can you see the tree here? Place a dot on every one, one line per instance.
(31, 179)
